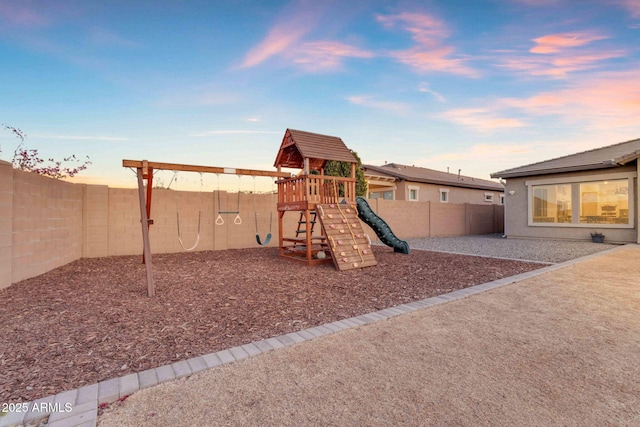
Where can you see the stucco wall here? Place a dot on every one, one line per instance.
(431, 193)
(516, 212)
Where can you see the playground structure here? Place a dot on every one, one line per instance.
(328, 228)
(144, 172)
(319, 198)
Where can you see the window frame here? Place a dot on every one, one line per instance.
(410, 188)
(575, 199)
(488, 197)
(444, 191)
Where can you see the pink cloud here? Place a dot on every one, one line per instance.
(559, 65)
(557, 55)
(325, 55)
(280, 38)
(297, 20)
(605, 101)
(368, 101)
(554, 43)
(429, 53)
(426, 30)
(633, 6)
(22, 13)
(481, 119)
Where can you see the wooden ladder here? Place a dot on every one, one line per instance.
(301, 221)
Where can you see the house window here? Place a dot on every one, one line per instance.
(488, 197)
(413, 193)
(606, 201)
(552, 203)
(501, 199)
(386, 195)
(444, 195)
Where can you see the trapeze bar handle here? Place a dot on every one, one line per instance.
(368, 239)
(237, 220)
(333, 243)
(321, 210)
(219, 220)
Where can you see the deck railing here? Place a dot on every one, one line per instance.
(316, 189)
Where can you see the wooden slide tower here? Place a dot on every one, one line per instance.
(328, 228)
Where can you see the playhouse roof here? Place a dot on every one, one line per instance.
(298, 145)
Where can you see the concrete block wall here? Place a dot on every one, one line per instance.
(95, 227)
(480, 219)
(124, 229)
(406, 218)
(448, 219)
(6, 224)
(47, 224)
(432, 219)
(124, 235)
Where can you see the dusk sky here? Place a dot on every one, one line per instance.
(477, 85)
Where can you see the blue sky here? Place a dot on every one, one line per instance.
(478, 85)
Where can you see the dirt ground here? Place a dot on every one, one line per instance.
(559, 349)
(91, 320)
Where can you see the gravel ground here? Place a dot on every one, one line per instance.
(493, 245)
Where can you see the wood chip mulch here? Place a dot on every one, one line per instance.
(91, 320)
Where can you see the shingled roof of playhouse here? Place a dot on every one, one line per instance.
(298, 145)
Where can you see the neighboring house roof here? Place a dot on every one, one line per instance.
(599, 158)
(430, 176)
(298, 145)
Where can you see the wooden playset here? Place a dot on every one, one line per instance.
(319, 199)
(328, 224)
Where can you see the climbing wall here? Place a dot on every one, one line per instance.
(349, 246)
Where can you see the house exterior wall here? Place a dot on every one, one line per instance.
(431, 193)
(517, 211)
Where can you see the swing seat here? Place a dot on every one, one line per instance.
(266, 240)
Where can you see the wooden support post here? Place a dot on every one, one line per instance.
(147, 173)
(280, 232)
(307, 214)
(144, 220)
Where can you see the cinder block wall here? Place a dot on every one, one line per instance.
(448, 219)
(46, 223)
(6, 224)
(95, 227)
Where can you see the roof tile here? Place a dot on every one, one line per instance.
(599, 158)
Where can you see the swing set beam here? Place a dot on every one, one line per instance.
(144, 171)
(203, 169)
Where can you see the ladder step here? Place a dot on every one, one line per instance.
(304, 222)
